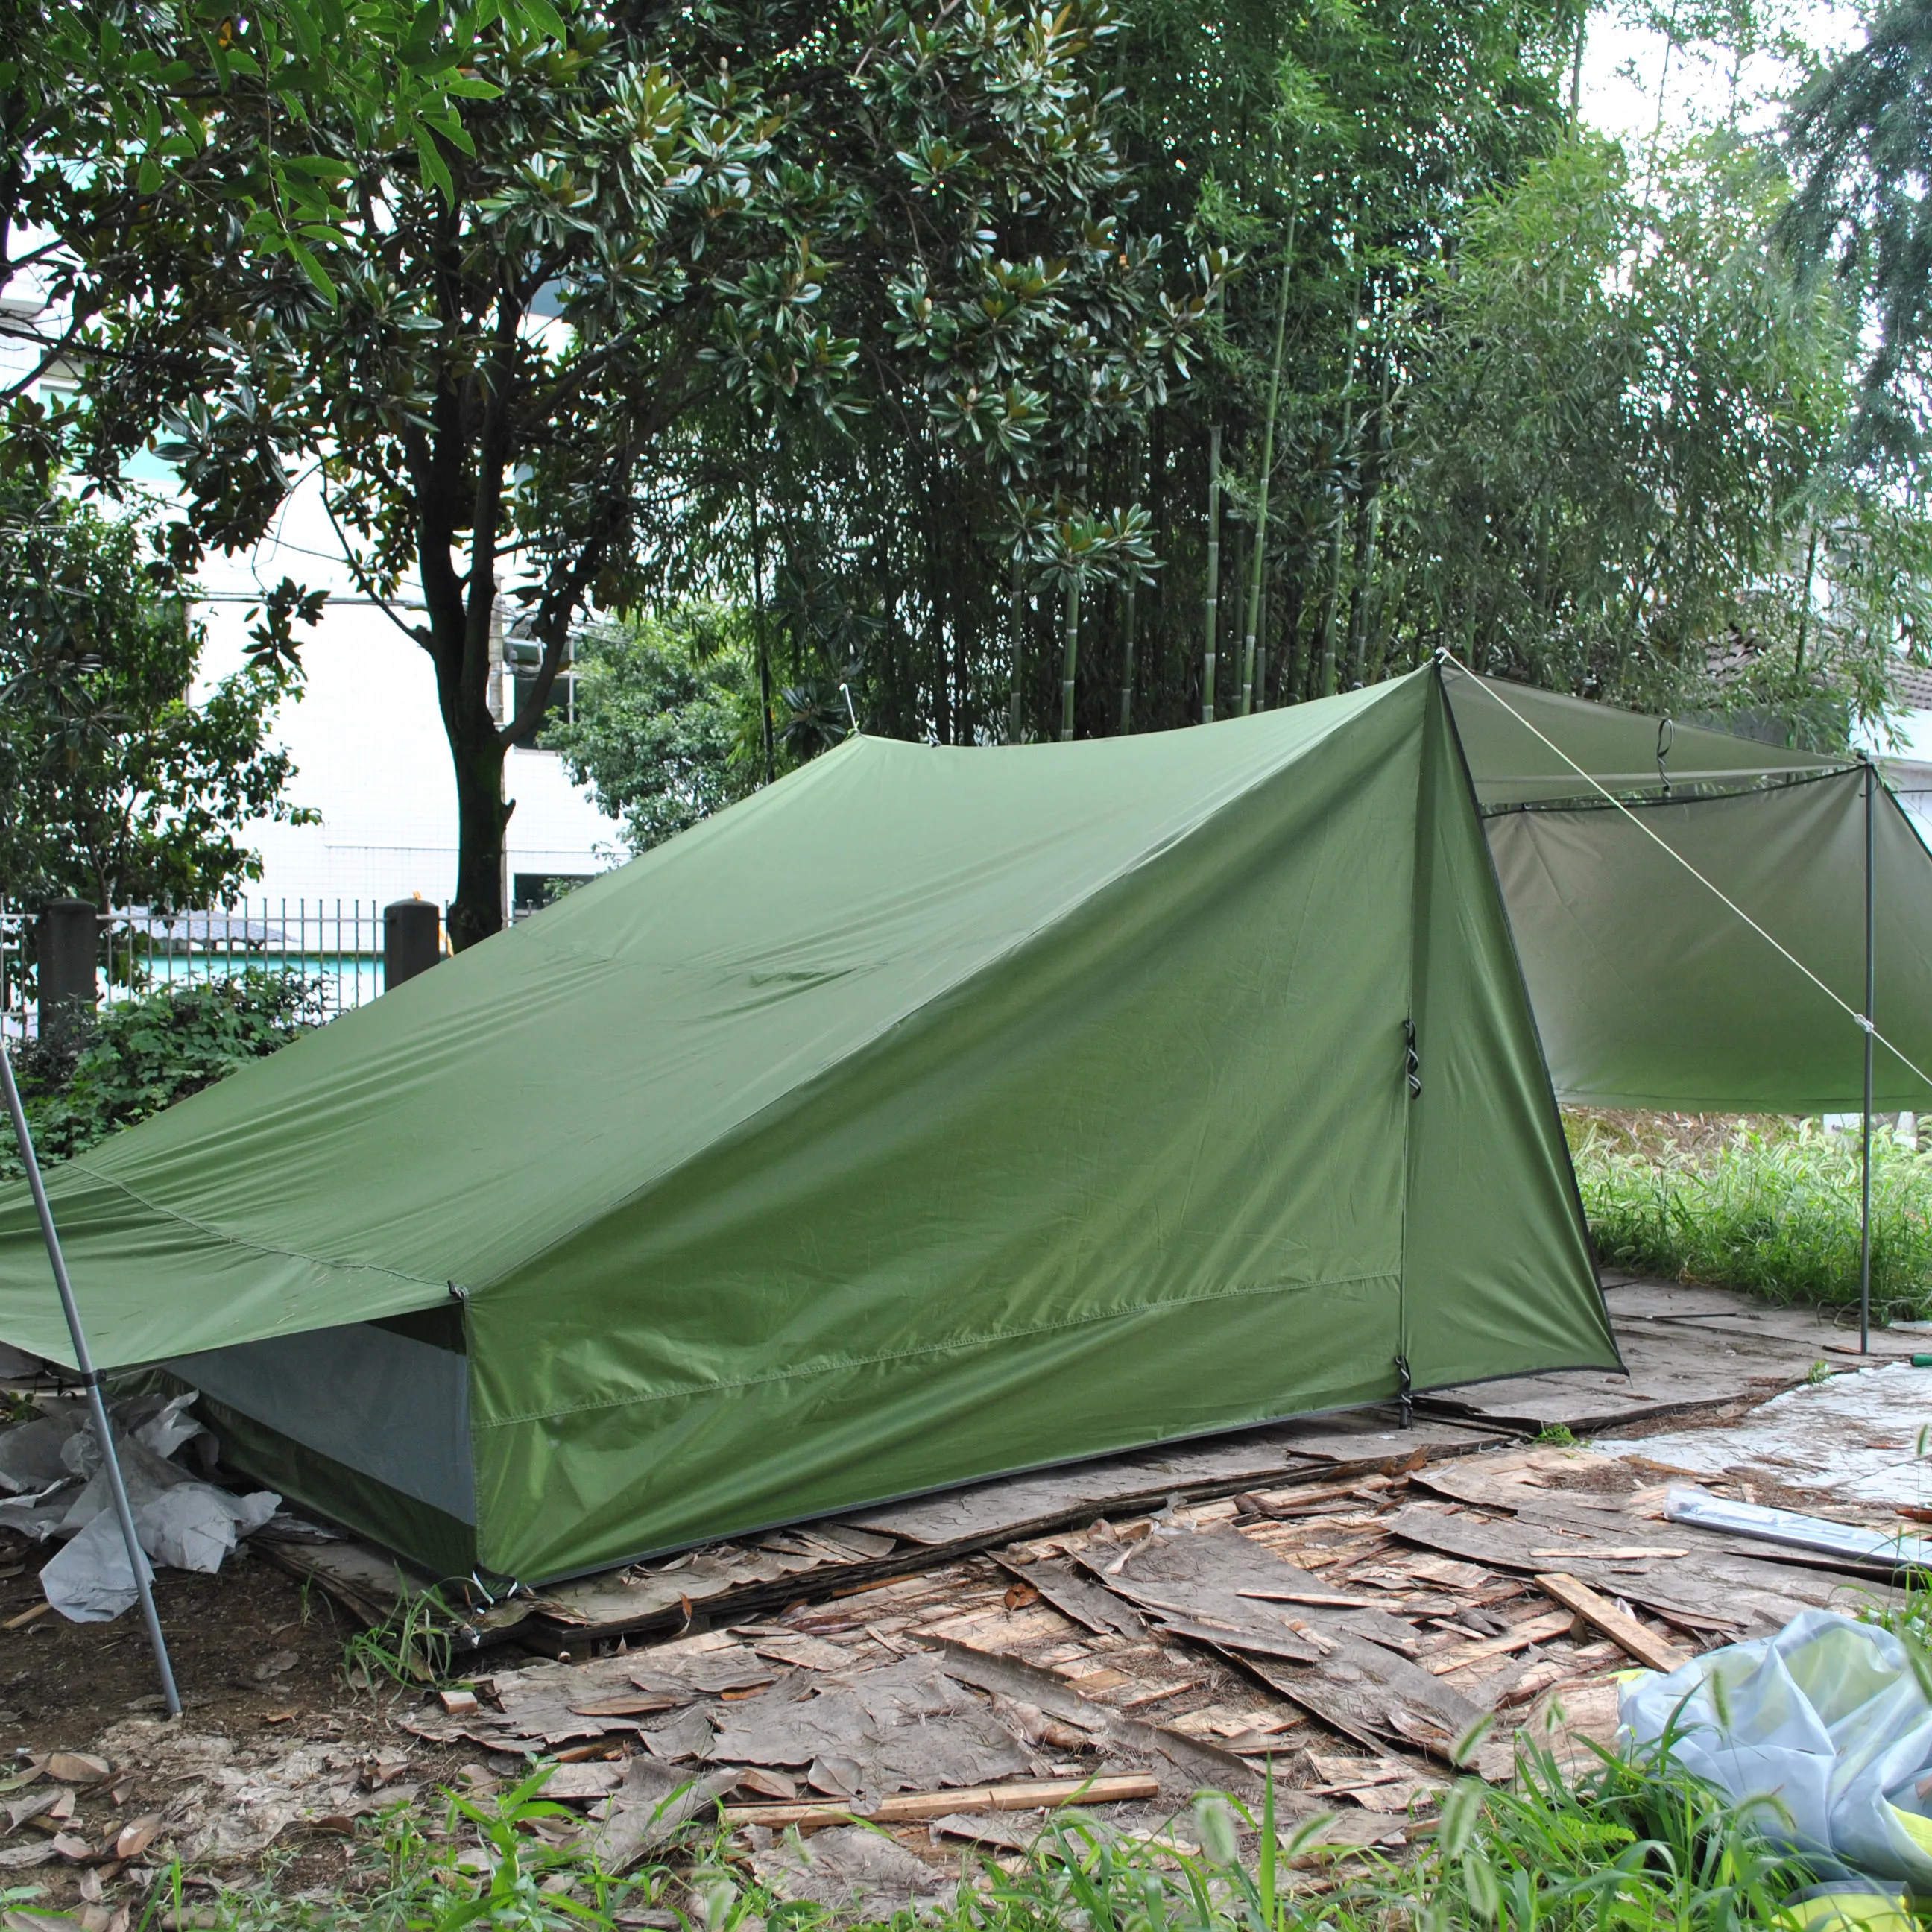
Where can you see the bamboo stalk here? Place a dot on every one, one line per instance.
(1071, 659)
(1120, 1788)
(1014, 735)
(1268, 471)
(1368, 530)
(1260, 650)
(1213, 575)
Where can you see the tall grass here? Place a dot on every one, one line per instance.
(1767, 1205)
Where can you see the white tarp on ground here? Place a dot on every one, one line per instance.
(51, 1469)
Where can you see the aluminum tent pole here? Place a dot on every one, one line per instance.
(1871, 991)
(90, 1377)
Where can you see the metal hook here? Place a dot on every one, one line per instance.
(1667, 736)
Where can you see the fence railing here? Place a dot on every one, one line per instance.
(336, 944)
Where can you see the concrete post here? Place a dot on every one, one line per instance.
(68, 944)
(411, 938)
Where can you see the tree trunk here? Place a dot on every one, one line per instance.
(481, 817)
(1127, 666)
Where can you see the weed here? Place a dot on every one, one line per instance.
(1621, 1847)
(1770, 1206)
(411, 1646)
(1556, 1432)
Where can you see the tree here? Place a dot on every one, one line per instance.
(1622, 459)
(1862, 134)
(116, 784)
(546, 340)
(666, 724)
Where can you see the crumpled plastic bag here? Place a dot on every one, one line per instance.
(90, 1582)
(1828, 1720)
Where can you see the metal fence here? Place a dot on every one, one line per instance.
(337, 943)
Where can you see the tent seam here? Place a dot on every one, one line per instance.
(846, 1363)
(244, 1241)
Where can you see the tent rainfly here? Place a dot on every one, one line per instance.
(935, 1113)
(938, 1113)
(1610, 830)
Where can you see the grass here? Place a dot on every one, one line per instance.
(1621, 1846)
(1767, 1205)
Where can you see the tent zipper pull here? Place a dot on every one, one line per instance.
(1413, 1065)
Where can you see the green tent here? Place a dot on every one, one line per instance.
(935, 1113)
(1614, 835)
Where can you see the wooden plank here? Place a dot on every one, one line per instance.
(1626, 1633)
(1532, 1630)
(1048, 1794)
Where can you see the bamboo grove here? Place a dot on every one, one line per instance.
(1477, 381)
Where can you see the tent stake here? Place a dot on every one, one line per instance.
(1871, 992)
(90, 1377)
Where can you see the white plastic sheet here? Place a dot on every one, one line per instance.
(194, 1525)
(52, 1465)
(90, 1582)
(1829, 1722)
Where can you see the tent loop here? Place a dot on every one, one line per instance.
(1851, 1013)
(1667, 736)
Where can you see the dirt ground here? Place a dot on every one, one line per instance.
(258, 1658)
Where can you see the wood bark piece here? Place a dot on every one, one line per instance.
(1720, 1591)
(1048, 1794)
(904, 1725)
(1377, 1698)
(1192, 1763)
(1625, 1632)
(652, 1803)
(1671, 1373)
(1073, 1596)
(1209, 1586)
(1532, 1630)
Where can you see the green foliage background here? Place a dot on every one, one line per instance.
(140, 1055)
(1768, 1205)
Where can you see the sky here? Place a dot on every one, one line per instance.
(1625, 70)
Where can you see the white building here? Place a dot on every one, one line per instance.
(369, 749)
(365, 736)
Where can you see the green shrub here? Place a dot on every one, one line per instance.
(1768, 1206)
(141, 1055)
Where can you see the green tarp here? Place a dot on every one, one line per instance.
(933, 1114)
(1651, 991)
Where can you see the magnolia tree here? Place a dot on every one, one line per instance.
(528, 340)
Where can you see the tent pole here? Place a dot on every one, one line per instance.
(90, 1377)
(1871, 990)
